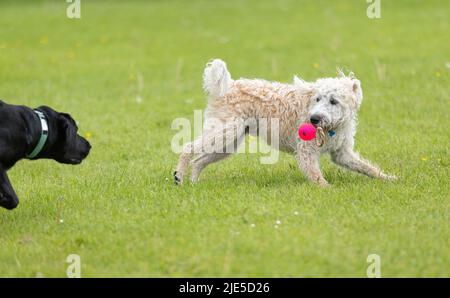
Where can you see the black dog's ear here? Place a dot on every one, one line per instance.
(67, 117)
(64, 117)
(67, 125)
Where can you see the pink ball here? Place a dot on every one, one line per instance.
(307, 132)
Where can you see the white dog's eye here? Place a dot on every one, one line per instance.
(333, 101)
(318, 99)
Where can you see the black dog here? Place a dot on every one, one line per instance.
(35, 134)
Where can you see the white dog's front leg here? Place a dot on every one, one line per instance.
(308, 161)
(352, 161)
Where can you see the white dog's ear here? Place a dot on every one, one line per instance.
(340, 73)
(299, 83)
(357, 90)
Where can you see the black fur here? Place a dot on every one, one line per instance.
(20, 131)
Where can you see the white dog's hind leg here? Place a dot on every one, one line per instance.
(189, 150)
(233, 134)
(183, 162)
(352, 161)
(202, 161)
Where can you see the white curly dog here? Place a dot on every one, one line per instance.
(330, 103)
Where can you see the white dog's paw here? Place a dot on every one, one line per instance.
(322, 182)
(193, 181)
(388, 177)
(178, 178)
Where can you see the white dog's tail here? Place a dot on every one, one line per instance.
(216, 78)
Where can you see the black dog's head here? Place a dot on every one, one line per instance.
(65, 145)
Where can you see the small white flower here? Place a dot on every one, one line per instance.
(278, 222)
(295, 212)
(252, 225)
(61, 220)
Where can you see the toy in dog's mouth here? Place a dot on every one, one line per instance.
(309, 131)
(322, 125)
(325, 127)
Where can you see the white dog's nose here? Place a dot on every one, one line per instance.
(315, 119)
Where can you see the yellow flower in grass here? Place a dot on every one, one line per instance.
(88, 135)
(316, 65)
(43, 40)
(424, 158)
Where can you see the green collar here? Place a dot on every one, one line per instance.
(43, 138)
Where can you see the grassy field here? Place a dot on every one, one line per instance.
(126, 69)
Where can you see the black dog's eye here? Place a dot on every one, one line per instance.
(333, 101)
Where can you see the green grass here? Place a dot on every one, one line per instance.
(123, 215)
